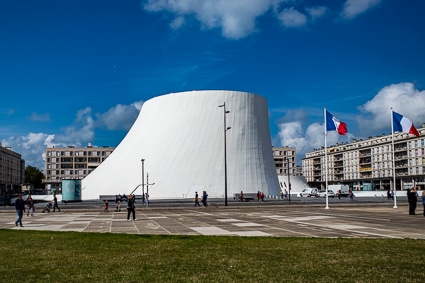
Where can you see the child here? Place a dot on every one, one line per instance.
(118, 207)
(106, 206)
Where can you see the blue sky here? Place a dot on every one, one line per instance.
(74, 71)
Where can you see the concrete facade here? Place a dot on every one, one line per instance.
(72, 163)
(180, 138)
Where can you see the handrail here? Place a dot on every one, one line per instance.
(135, 189)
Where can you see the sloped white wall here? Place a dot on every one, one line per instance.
(181, 138)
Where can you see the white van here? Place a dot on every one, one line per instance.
(345, 190)
(308, 192)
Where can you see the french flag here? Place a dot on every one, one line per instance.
(403, 124)
(333, 124)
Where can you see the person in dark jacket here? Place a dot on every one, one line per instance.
(20, 208)
(412, 197)
(131, 208)
(423, 200)
(55, 203)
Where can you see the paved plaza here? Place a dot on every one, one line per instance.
(353, 220)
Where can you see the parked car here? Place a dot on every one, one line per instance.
(308, 192)
(322, 194)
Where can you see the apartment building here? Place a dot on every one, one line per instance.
(12, 171)
(72, 163)
(285, 160)
(368, 164)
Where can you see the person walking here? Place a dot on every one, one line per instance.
(20, 208)
(204, 198)
(55, 203)
(131, 208)
(196, 200)
(423, 200)
(30, 204)
(106, 208)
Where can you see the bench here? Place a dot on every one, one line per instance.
(246, 196)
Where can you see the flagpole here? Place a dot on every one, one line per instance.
(392, 142)
(326, 162)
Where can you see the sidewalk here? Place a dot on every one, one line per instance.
(361, 220)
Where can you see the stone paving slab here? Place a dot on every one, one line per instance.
(357, 221)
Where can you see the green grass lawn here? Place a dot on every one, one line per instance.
(44, 256)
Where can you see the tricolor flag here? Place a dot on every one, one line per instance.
(402, 124)
(333, 124)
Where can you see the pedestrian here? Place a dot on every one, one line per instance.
(196, 200)
(281, 193)
(131, 208)
(118, 206)
(20, 208)
(286, 194)
(350, 192)
(55, 203)
(241, 196)
(204, 198)
(423, 200)
(412, 198)
(339, 194)
(106, 208)
(30, 204)
(146, 199)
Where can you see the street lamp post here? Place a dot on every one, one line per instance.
(225, 151)
(143, 178)
(147, 184)
(147, 190)
(289, 180)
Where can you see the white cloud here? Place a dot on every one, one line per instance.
(236, 19)
(353, 8)
(292, 18)
(32, 146)
(292, 134)
(177, 23)
(403, 98)
(39, 117)
(317, 12)
(119, 117)
(82, 130)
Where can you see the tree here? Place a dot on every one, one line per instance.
(33, 176)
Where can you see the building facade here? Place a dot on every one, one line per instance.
(12, 172)
(285, 160)
(72, 163)
(216, 141)
(368, 164)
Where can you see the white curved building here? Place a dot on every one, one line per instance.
(180, 136)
